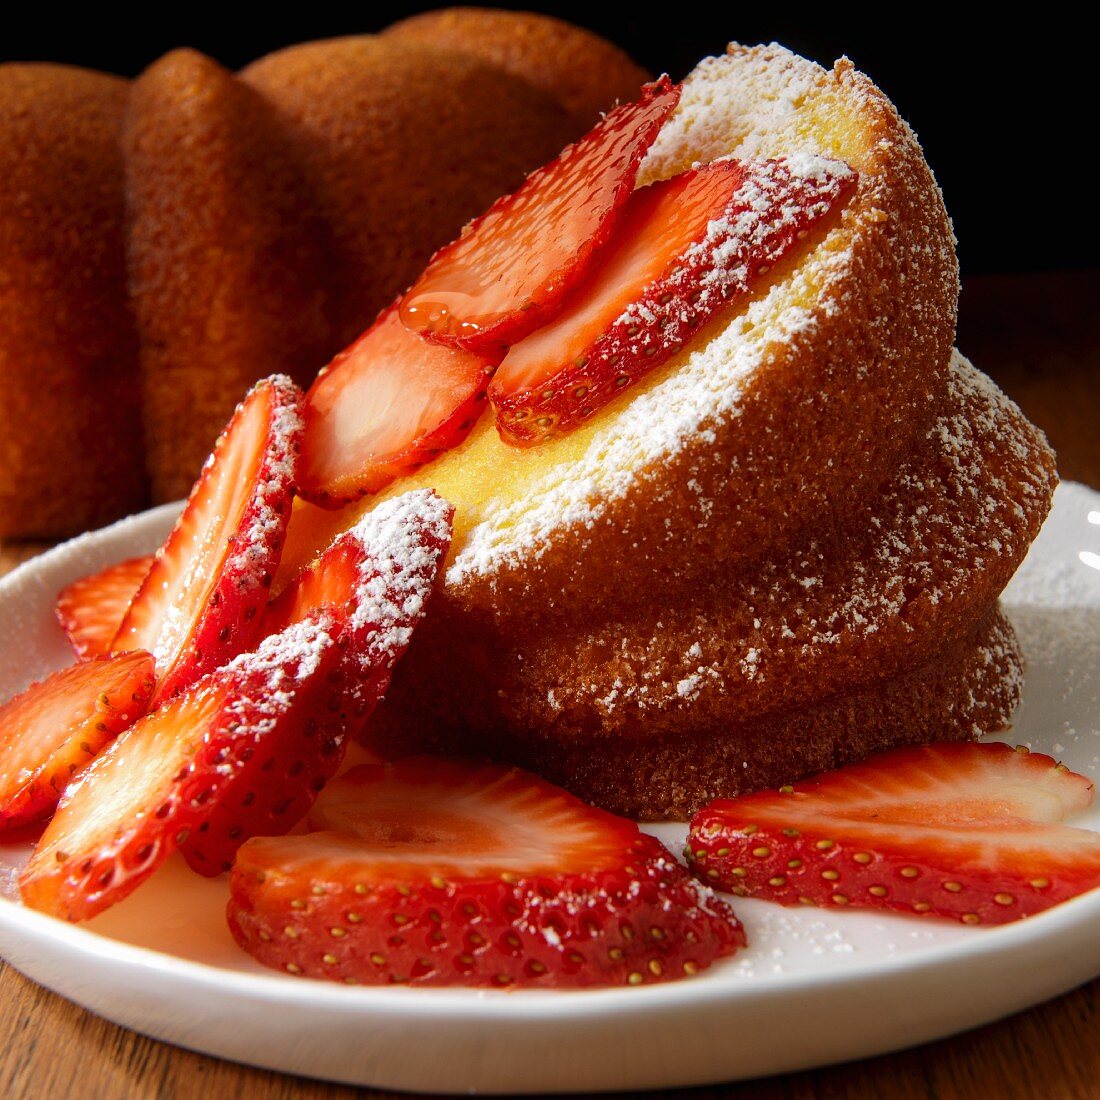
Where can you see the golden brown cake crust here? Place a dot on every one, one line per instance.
(854, 598)
(226, 258)
(969, 689)
(852, 602)
(402, 144)
(585, 73)
(70, 439)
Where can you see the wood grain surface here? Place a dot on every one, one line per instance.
(1039, 336)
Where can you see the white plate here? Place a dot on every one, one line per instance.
(814, 987)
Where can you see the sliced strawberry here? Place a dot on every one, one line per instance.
(375, 581)
(199, 605)
(441, 873)
(384, 407)
(91, 610)
(963, 831)
(55, 728)
(510, 270)
(383, 568)
(330, 581)
(160, 780)
(686, 249)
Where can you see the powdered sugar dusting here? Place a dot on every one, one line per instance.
(404, 540)
(270, 677)
(763, 100)
(775, 195)
(923, 548)
(292, 654)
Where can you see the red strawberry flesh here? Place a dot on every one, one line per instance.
(511, 268)
(687, 249)
(381, 409)
(374, 582)
(442, 873)
(55, 729)
(199, 605)
(91, 610)
(161, 779)
(380, 572)
(329, 581)
(281, 772)
(962, 831)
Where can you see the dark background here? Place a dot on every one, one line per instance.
(1003, 105)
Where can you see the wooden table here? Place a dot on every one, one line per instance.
(1040, 337)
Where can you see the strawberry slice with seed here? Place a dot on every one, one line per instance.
(56, 728)
(509, 272)
(434, 872)
(91, 610)
(375, 582)
(963, 831)
(159, 781)
(199, 605)
(687, 249)
(383, 408)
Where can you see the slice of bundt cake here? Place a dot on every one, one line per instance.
(809, 394)
(780, 551)
(71, 452)
(807, 634)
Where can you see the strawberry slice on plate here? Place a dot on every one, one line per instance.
(970, 832)
(55, 729)
(375, 582)
(91, 610)
(199, 605)
(509, 272)
(385, 406)
(434, 872)
(160, 780)
(686, 249)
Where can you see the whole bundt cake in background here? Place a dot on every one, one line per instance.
(215, 229)
(70, 420)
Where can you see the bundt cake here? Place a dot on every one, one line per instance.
(270, 217)
(782, 550)
(70, 421)
(402, 143)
